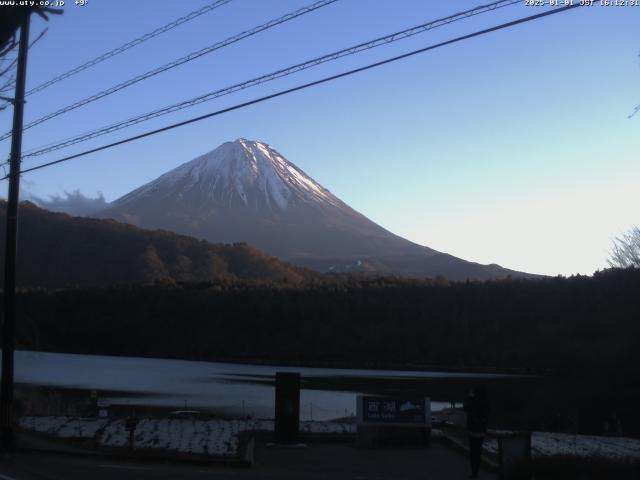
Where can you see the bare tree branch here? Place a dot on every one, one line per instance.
(9, 46)
(9, 82)
(625, 252)
(42, 11)
(11, 65)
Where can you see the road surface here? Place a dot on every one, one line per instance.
(315, 462)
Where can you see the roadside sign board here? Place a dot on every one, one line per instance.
(394, 411)
(393, 420)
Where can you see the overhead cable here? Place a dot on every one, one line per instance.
(304, 86)
(387, 39)
(180, 61)
(133, 43)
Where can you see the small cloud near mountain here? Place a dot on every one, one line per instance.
(74, 203)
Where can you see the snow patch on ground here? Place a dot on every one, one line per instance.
(547, 444)
(327, 427)
(64, 427)
(215, 437)
(218, 437)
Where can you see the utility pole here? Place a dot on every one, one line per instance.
(8, 323)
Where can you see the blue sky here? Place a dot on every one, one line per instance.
(511, 148)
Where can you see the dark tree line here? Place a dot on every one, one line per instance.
(562, 325)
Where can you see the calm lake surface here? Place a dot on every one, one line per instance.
(232, 389)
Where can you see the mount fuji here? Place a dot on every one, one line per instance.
(245, 191)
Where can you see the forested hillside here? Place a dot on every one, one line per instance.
(57, 250)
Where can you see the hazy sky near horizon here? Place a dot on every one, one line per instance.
(511, 148)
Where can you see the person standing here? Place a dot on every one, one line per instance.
(476, 406)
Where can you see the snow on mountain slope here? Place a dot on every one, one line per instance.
(250, 172)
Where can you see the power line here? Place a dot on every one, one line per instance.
(387, 39)
(304, 86)
(179, 61)
(133, 43)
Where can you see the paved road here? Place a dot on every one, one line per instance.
(315, 462)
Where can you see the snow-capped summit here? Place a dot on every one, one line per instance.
(240, 173)
(245, 191)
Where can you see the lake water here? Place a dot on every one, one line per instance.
(234, 389)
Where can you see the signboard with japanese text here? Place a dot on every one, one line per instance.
(393, 420)
(393, 410)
